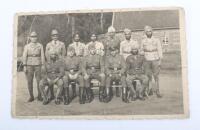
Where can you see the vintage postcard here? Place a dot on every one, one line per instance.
(100, 64)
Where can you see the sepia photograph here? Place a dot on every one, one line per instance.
(100, 64)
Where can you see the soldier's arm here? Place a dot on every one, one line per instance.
(107, 70)
(42, 55)
(141, 48)
(63, 49)
(120, 50)
(159, 47)
(84, 65)
(128, 63)
(25, 53)
(123, 65)
(102, 64)
(44, 72)
(47, 52)
(80, 69)
(102, 49)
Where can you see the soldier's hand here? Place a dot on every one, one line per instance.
(110, 75)
(25, 69)
(120, 74)
(76, 75)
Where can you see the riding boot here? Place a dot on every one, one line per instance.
(81, 95)
(101, 94)
(117, 92)
(108, 95)
(91, 95)
(124, 95)
(73, 91)
(30, 89)
(66, 96)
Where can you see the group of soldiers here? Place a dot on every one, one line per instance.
(110, 62)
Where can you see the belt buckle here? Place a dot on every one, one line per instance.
(33, 55)
(115, 68)
(93, 68)
(53, 72)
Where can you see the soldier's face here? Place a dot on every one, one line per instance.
(76, 38)
(127, 36)
(149, 33)
(92, 51)
(54, 37)
(71, 53)
(93, 38)
(111, 34)
(33, 39)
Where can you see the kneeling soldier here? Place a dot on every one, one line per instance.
(135, 71)
(73, 72)
(115, 71)
(52, 72)
(93, 67)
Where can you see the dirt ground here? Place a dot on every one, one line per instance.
(171, 103)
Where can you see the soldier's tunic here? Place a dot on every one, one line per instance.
(152, 49)
(126, 46)
(98, 47)
(93, 66)
(111, 42)
(58, 47)
(33, 58)
(79, 48)
(115, 65)
(135, 71)
(50, 72)
(73, 66)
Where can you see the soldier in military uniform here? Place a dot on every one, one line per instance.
(135, 71)
(127, 44)
(33, 58)
(152, 50)
(73, 72)
(111, 40)
(56, 45)
(98, 45)
(93, 68)
(78, 46)
(115, 71)
(52, 74)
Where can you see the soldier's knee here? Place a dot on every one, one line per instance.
(60, 83)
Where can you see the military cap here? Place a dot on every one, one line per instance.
(70, 48)
(127, 31)
(54, 32)
(147, 28)
(111, 29)
(33, 34)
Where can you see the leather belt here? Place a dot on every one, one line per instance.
(115, 68)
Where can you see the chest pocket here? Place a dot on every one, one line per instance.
(34, 50)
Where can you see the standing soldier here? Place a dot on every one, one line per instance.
(152, 49)
(93, 68)
(115, 71)
(127, 44)
(79, 51)
(57, 46)
(52, 72)
(33, 58)
(73, 72)
(111, 40)
(135, 71)
(78, 46)
(98, 45)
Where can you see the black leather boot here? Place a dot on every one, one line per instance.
(66, 96)
(81, 95)
(73, 91)
(117, 92)
(124, 95)
(101, 94)
(108, 95)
